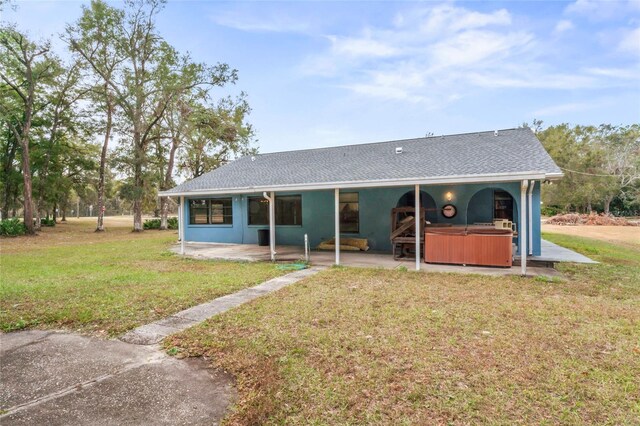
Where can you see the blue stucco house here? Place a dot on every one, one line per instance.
(349, 191)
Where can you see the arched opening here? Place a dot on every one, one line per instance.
(426, 202)
(489, 204)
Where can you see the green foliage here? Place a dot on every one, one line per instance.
(550, 211)
(12, 227)
(45, 221)
(601, 166)
(172, 223)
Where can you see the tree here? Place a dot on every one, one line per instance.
(601, 164)
(60, 130)
(216, 135)
(93, 39)
(25, 68)
(150, 76)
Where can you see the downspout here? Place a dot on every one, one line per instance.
(272, 225)
(522, 231)
(530, 224)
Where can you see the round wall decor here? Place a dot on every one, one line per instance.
(449, 211)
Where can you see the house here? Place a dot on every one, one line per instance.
(459, 180)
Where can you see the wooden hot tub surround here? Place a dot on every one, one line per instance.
(469, 246)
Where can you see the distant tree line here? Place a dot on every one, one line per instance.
(111, 120)
(601, 166)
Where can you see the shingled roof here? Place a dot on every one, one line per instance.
(509, 154)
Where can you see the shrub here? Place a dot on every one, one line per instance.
(550, 211)
(47, 222)
(12, 227)
(172, 223)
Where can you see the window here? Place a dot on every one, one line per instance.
(289, 210)
(198, 212)
(502, 205)
(349, 212)
(218, 211)
(221, 211)
(258, 211)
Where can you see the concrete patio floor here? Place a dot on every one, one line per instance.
(252, 253)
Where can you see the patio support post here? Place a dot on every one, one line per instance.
(522, 231)
(272, 225)
(418, 220)
(337, 224)
(530, 222)
(181, 224)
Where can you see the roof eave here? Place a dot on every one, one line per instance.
(445, 180)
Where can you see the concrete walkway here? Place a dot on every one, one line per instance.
(154, 332)
(554, 253)
(58, 378)
(55, 378)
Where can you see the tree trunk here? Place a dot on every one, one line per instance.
(26, 174)
(607, 203)
(55, 212)
(138, 182)
(164, 201)
(103, 162)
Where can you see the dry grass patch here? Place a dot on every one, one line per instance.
(107, 283)
(356, 346)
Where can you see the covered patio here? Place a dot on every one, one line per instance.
(539, 265)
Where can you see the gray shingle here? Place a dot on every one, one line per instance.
(480, 153)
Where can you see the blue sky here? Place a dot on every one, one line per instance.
(333, 73)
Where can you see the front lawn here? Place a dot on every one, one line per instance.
(358, 346)
(107, 283)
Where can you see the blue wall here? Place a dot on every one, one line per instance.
(375, 214)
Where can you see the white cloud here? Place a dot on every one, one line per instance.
(562, 109)
(252, 22)
(601, 10)
(562, 26)
(630, 42)
(619, 73)
(438, 55)
(361, 47)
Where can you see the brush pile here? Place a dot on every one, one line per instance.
(589, 219)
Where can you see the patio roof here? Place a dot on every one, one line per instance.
(494, 156)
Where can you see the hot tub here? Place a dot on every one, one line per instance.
(468, 246)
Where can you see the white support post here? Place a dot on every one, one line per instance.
(181, 220)
(522, 229)
(272, 225)
(337, 223)
(418, 220)
(530, 222)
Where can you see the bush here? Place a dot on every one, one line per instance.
(12, 227)
(172, 223)
(47, 222)
(550, 211)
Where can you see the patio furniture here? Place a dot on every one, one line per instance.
(403, 231)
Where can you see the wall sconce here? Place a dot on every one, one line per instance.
(448, 196)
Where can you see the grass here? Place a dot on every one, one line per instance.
(356, 346)
(107, 283)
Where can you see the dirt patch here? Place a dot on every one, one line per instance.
(612, 234)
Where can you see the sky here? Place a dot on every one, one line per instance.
(332, 73)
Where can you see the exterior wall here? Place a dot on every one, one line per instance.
(375, 209)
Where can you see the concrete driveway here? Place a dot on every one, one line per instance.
(59, 378)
